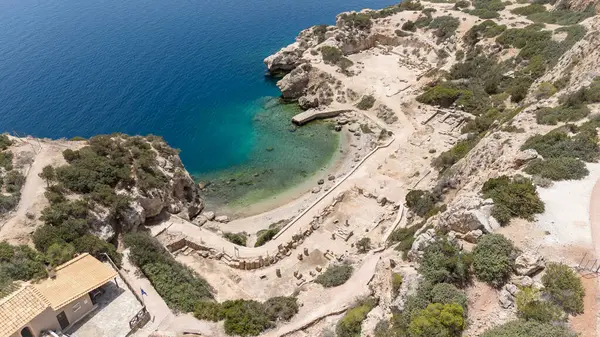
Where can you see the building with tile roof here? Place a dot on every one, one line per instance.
(56, 303)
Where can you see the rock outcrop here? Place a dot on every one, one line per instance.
(529, 263)
(467, 214)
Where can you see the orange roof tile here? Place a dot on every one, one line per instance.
(75, 279)
(20, 307)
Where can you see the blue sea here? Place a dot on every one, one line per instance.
(190, 71)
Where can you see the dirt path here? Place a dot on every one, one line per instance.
(587, 324)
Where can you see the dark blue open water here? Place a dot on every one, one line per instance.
(190, 71)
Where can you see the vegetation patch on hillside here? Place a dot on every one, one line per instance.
(351, 324)
(178, 285)
(335, 275)
(563, 168)
(513, 197)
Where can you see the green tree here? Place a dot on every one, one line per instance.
(444, 261)
(58, 254)
(522, 328)
(438, 320)
(493, 259)
(48, 174)
(363, 245)
(530, 306)
(564, 287)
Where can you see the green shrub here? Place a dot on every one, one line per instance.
(236, 238)
(363, 245)
(397, 281)
(58, 253)
(266, 236)
(522, 328)
(557, 144)
(20, 263)
(438, 320)
(281, 308)
(409, 26)
(420, 202)
(493, 259)
(486, 9)
(561, 17)
(8, 202)
(179, 286)
(405, 236)
(334, 56)
(444, 261)
(529, 9)
(448, 158)
(245, 318)
(561, 113)
(481, 123)
(585, 95)
(360, 21)
(366, 102)
(5, 142)
(564, 287)
(486, 29)
(530, 306)
(350, 324)
(545, 90)
(13, 181)
(6, 159)
(443, 95)
(515, 197)
(462, 4)
(445, 27)
(563, 168)
(335, 275)
(97, 247)
(446, 293)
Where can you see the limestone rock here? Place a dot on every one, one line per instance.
(200, 220)
(529, 264)
(421, 242)
(294, 84)
(469, 213)
(210, 215)
(506, 299)
(286, 59)
(132, 217)
(222, 219)
(524, 156)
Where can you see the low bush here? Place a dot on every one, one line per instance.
(461, 4)
(405, 236)
(558, 144)
(19, 263)
(486, 29)
(13, 181)
(421, 202)
(266, 236)
(493, 259)
(59, 253)
(247, 317)
(522, 328)
(486, 9)
(409, 26)
(444, 261)
(545, 90)
(448, 158)
(443, 95)
(563, 168)
(585, 95)
(97, 247)
(363, 245)
(529, 9)
(514, 197)
(5, 142)
(561, 113)
(438, 320)
(366, 102)
(8, 202)
(397, 280)
(236, 238)
(445, 27)
(335, 275)
(531, 306)
(360, 21)
(179, 286)
(564, 287)
(6, 158)
(350, 324)
(562, 17)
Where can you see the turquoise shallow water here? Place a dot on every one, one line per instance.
(190, 71)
